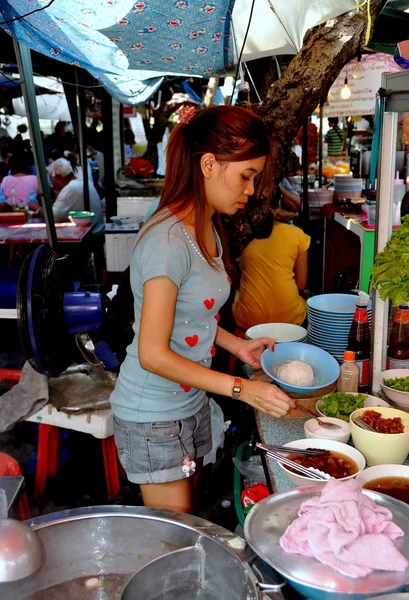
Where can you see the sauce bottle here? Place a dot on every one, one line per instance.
(398, 350)
(348, 379)
(359, 340)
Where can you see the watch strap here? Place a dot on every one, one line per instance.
(237, 388)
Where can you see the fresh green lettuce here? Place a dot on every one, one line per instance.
(340, 405)
(401, 384)
(390, 272)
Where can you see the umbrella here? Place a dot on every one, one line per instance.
(129, 45)
(49, 106)
(279, 26)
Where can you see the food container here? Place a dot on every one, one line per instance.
(380, 471)
(319, 197)
(339, 447)
(381, 448)
(370, 208)
(314, 431)
(81, 218)
(326, 368)
(397, 397)
(280, 332)
(94, 552)
(370, 401)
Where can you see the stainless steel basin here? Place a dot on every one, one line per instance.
(92, 553)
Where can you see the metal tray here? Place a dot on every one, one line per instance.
(269, 519)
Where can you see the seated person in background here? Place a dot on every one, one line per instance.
(71, 195)
(17, 186)
(290, 202)
(274, 271)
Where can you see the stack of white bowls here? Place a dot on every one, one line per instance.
(346, 186)
(329, 321)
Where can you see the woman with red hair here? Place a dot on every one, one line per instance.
(216, 158)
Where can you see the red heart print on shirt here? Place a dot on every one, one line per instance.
(191, 340)
(217, 317)
(229, 279)
(185, 388)
(209, 303)
(212, 351)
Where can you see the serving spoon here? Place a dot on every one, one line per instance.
(324, 424)
(363, 425)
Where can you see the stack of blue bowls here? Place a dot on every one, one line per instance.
(329, 321)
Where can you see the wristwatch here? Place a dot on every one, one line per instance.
(236, 388)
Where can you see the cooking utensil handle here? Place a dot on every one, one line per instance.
(305, 410)
(257, 565)
(269, 588)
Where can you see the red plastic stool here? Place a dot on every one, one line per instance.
(47, 460)
(12, 376)
(10, 467)
(232, 360)
(48, 445)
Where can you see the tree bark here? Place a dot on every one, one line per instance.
(326, 49)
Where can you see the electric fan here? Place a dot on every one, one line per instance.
(55, 316)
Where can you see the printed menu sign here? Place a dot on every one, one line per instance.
(363, 91)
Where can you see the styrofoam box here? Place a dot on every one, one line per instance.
(98, 423)
(137, 205)
(119, 244)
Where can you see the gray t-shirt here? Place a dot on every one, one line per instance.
(168, 249)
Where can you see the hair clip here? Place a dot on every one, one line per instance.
(186, 114)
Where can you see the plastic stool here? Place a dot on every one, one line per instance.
(10, 467)
(232, 360)
(99, 424)
(12, 376)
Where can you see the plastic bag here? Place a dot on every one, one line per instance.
(217, 420)
(251, 469)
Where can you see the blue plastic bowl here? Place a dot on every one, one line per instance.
(326, 368)
(333, 304)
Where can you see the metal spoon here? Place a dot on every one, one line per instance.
(324, 424)
(363, 425)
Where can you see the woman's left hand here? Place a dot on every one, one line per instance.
(250, 351)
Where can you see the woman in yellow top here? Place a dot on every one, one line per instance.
(274, 271)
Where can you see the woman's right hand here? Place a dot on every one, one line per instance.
(267, 397)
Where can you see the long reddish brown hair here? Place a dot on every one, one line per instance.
(232, 134)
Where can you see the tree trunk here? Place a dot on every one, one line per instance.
(326, 50)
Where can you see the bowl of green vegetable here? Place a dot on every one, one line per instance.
(395, 386)
(341, 404)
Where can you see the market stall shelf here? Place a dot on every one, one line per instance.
(341, 239)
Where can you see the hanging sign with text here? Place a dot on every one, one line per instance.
(364, 90)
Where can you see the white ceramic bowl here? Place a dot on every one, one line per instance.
(344, 449)
(397, 397)
(380, 471)
(381, 448)
(314, 431)
(370, 401)
(280, 332)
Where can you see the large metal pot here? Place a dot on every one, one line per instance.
(102, 547)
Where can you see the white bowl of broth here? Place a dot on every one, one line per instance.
(343, 462)
(392, 480)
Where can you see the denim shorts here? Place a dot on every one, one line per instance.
(153, 452)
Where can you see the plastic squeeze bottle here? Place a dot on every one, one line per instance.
(349, 376)
(399, 190)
